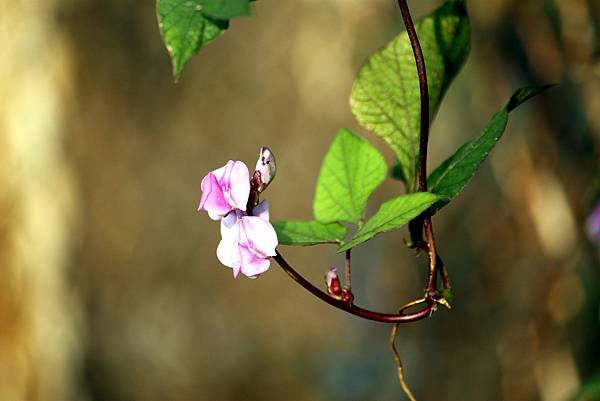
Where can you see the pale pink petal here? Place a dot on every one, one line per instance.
(262, 210)
(592, 225)
(225, 253)
(252, 265)
(221, 172)
(258, 235)
(215, 216)
(207, 187)
(229, 253)
(213, 199)
(230, 227)
(238, 185)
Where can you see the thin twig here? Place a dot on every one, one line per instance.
(431, 254)
(411, 304)
(399, 364)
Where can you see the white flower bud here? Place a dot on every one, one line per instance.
(266, 167)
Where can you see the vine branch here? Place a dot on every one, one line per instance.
(432, 296)
(427, 225)
(423, 91)
(348, 274)
(349, 306)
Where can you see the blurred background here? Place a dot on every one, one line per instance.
(109, 284)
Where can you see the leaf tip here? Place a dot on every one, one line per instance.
(524, 94)
(177, 68)
(176, 76)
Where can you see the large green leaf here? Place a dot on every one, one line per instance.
(351, 170)
(225, 9)
(187, 25)
(453, 174)
(385, 96)
(392, 214)
(309, 232)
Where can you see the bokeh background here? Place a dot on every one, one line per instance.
(109, 284)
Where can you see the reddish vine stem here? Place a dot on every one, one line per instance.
(432, 297)
(423, 141)
(431, 293)
(348, 276)
(424, 94)
(349, 306)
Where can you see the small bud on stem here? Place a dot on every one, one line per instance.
(333, 284)
(262, 176)
(266, 168)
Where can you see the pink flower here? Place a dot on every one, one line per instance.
(225, 189)
(247, 242)
(592, 225)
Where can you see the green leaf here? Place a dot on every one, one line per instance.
(385, 96)
(185, 29)
(309, 232)
(392, 214)
(225, 9)
(590, 391)
(524, 94)
(351, 170)
(450, 177)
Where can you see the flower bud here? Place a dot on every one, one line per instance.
(265, 167)
(333, 283)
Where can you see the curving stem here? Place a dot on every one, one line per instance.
(432, 297)
(349, 306)
(432, 256)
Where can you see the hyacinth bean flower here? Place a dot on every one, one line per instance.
(592, 225)
(247, 242)
(225, 189)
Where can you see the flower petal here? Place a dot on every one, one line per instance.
(229, 253)
(238, 184)
(215, 216)
(223, 172)
(213, 199)
(262, 210)
(230, 227)
(258, 235)
(253, 266)
(592, 225)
